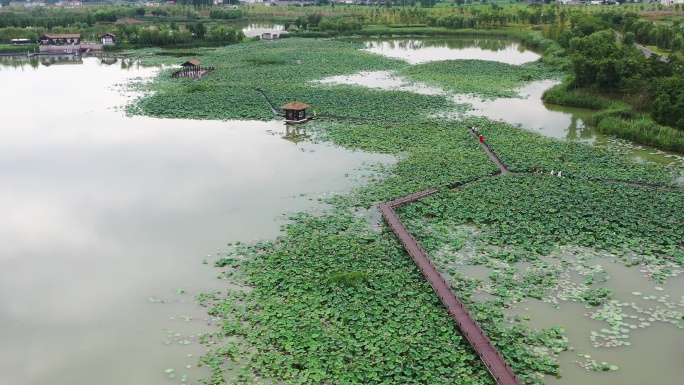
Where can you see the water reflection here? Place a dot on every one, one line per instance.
(101, 211)
(251, 29)
(19, 62)
(33, 62)
(108, 60)
(530, 112)
(250, 26)
(295, 133)
(54, 59)
(424, 50)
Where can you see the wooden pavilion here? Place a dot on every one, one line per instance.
(192, 68)
(191, 64)
(295, 111)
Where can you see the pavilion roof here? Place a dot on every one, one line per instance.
(295, 105)
(191, 62)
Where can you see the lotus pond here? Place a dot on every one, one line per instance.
(574, 278)
(546, 264)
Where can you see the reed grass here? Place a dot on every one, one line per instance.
(643, 131)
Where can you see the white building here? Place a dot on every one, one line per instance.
(671, 2)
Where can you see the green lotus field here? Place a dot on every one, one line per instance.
(335, 299)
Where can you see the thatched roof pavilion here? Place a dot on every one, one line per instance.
(295, 111)
(191, 63)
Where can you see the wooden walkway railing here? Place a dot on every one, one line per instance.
(495, 363)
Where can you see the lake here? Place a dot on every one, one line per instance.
(106, 215)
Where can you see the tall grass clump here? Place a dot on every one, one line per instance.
(562, 96)
(618, 110)
(643, 131)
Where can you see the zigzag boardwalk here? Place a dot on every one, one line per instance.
(495, 363)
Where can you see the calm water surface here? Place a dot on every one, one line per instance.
(102, 212)
(417, 51)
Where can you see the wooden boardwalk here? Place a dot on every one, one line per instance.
(492, 156)
(495, 363)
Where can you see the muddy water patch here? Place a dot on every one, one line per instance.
(605, 307)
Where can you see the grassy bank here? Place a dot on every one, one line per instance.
(618, 119)
(561, 95)
(18, 49)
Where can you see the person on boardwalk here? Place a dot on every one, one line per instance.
(481, 138)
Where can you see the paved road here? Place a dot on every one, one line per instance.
(647, 52)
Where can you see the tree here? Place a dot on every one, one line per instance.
(668, 105)
(664, 36)
(629, 38)
(140, 12)
(105, 16)
(313, 19)
(198, 29)
(225, 34)
(196, 3)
